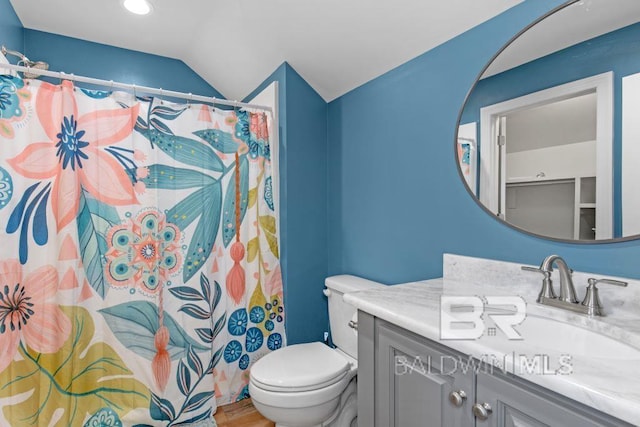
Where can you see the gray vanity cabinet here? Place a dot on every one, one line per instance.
(517, 403)
(413, 383)
(405, 380)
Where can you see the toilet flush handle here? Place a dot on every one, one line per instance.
(353, 324)
(326, 292)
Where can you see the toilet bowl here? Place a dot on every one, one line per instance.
(312, 384)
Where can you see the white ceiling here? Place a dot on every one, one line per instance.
(336, 45)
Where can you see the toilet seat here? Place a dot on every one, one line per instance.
(299, 368)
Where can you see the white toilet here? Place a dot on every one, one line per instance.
(309, 385)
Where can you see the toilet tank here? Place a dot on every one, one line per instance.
(341, 313)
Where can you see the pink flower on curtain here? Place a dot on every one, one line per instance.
(259, 126)
(28, 313)
(74, 157)
(273, 284)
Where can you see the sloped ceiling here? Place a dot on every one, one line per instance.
(336, 45)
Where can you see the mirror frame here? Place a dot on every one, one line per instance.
(457, 159)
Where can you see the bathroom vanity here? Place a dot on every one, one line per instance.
(566, 370)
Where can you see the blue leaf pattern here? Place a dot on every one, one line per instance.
(221, 141)
(135, 324)
(161, 409)
(186, 293)
(6, 188)
(204, 236)
(186, 150)
(94, 219)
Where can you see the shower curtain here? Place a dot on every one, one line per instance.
(139, 271)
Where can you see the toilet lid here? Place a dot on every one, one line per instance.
(300, 366)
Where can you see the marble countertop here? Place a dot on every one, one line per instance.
(611, 385)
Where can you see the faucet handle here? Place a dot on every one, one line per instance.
(534, 269)
(547, 286)
(592, 300)
(593, 282)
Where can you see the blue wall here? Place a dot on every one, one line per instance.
(396, 202)
(11, 34)
(618, 51)
(303, 210)
(101, 61)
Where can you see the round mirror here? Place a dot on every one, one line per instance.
(549, 137)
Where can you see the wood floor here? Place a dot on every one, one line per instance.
(241, 414)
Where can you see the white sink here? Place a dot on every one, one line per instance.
(551, 336)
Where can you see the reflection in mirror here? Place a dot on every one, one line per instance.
(548, 140)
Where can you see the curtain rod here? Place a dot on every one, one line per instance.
(135, 88)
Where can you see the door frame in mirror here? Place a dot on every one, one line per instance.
(491, 186)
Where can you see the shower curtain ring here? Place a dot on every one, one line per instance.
(135, 95)
(161, 96)
(213, 104)
(72, 78)
(189, 100)
(111, 81)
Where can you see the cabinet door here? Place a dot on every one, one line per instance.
(517, 403)
(414, 379)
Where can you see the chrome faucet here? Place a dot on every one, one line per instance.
(590, 305)
(567, 291)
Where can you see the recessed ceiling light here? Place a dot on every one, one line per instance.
(139, 7)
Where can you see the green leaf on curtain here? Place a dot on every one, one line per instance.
(82, 377)
(252, 249)
(186, 150)
(229, 218)
(253, 197)
(273, 244)
(205, 233)
(170, 178)
(135, 323)
(221, 141)
(268, 225)
(94, 220)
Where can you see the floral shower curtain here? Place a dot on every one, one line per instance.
(129, 294)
